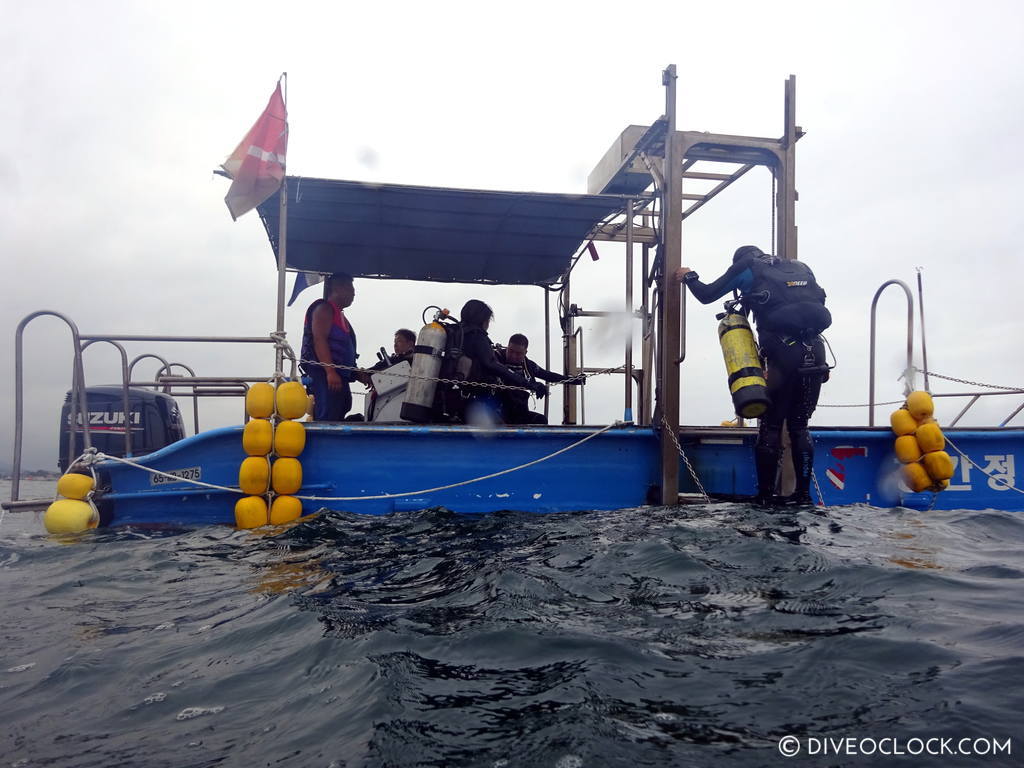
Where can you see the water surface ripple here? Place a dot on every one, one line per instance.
(650, 637)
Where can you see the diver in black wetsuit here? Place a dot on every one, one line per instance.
(476, 345)
(789, 309)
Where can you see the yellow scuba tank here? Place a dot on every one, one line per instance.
(743, 365)
(418, 405)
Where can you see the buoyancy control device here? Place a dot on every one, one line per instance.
(747, 384)
(785, 297)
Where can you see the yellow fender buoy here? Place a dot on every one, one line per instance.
(902, 422)
(75, 486)
(251, 512)
(929, 437)
(70, 516)
(291, 400)
(916, 477)
(920, 405)
(254, 475)
(907, 449)
(287, 476)
(939, 465)
(257, 437)
(289, 439)
(259, 400)
(285, 509)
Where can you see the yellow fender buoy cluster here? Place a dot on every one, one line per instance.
(920, 443)
(72, 511)
(260, 438)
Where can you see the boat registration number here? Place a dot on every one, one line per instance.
(189, 473)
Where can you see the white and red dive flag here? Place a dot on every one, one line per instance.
(256, 167)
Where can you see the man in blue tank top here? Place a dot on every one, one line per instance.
(789, 309)
(327, 336)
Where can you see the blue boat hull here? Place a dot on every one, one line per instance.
(617, 469)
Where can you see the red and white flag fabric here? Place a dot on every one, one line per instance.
(256, 167)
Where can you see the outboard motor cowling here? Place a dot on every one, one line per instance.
(153, 418)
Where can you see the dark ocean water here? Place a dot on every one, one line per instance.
(693, 636)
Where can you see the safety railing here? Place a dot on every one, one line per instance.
(125, 400)
(908, 371)
(79, 408)
(911, 369)
(79, 411)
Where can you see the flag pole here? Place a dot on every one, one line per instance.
(282, 246)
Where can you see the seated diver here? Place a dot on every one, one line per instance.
(404, 344)
(386, 408)
(515, 403)
(484, 403)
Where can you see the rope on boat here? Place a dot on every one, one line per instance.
(102, 456)
(966, 458)
(465, 482)
(93, 456)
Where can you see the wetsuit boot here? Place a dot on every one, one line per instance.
(766, 462)
(800, 441)
(802, 449)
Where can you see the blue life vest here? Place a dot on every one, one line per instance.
(341, 340)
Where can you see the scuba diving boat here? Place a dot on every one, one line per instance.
(128, 442)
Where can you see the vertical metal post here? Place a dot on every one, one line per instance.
(786, 174)
(924, 344)
(568, 359)
(627, 412)
(547, 343)
(672, 224)
(645, 340)
(282, 242)
(282, 262)
(582, 366)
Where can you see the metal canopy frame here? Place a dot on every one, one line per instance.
(663, 157)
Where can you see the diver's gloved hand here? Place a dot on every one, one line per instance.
(540, 390)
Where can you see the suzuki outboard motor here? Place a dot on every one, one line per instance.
(154, 419)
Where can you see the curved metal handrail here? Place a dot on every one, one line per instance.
(77, 393)
(125, 402)
(908, 373)
(195, 397)
(140, 358)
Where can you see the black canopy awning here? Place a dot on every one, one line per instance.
(432, 233)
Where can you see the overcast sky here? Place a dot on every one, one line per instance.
(116, 114)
